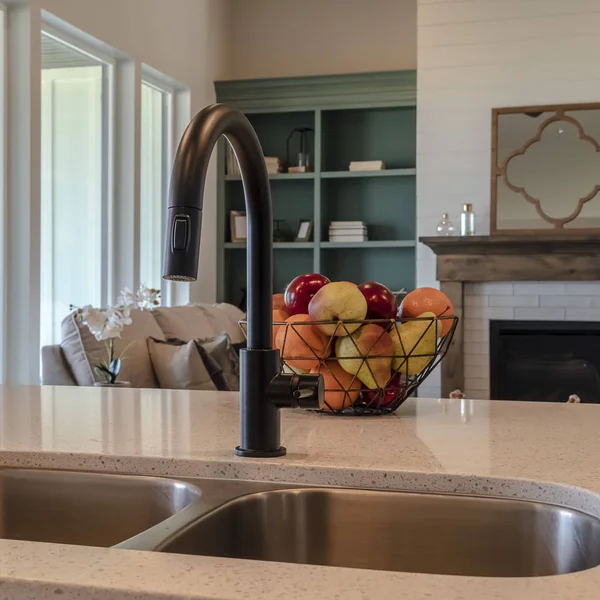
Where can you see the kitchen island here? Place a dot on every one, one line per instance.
(535, 451)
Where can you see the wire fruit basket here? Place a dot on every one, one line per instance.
(369, 367)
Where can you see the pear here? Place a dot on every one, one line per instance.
(372, 341)
(415, 344)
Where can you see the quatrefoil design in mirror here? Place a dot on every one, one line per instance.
(546, 169)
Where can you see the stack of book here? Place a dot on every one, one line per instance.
(348, 231)
(273, 165)
(367, 165)
(232, 166)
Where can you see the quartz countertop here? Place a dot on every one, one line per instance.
(529, 450)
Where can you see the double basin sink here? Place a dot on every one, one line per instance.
(394, 531)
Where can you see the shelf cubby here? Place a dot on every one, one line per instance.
(387, 134)
(385, 204)
(273, 130)
(394, 267)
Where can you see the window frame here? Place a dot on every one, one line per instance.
(4, 179)
(168, 88)
(83, 44)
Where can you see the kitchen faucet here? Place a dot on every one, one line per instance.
(263, 388)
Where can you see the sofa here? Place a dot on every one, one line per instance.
(71, 362)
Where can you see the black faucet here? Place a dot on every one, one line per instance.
(263, 389)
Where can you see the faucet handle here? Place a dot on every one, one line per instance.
(297, 391)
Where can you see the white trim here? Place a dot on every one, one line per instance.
(3, 187)
(180, 293)
(124, 219)
(22, 322)
(176, 118)
(84, 43)
(79, 40)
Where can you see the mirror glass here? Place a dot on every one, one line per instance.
(546, 170)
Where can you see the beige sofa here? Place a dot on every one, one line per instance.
(71, 362)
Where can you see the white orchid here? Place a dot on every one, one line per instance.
(147, 298)
(144, 299)
(107, 324)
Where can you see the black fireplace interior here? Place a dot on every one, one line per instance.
(544, 361)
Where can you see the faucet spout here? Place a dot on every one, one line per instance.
(261, 384)
(186, 196)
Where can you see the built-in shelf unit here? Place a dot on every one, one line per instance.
(354, 117)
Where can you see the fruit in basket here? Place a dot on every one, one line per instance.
(300, 291)
(301, 343)
(415, 343)
(341, 388)
(381, 302)
(428, 299)
(287, 369)
(279, 302)
(279, 316)
(339, 301)
(384, 397)
(367, 353)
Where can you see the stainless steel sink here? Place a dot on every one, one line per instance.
(90, 509)
(396, 531)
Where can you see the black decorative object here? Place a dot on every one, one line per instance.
(303, 162)
(281, 231)
(263, 389)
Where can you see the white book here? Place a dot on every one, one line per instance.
(367, 165)
(354, 230)
(342, 232)
(347, 224)
(363, 236)
(348, 239)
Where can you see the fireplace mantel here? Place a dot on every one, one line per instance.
(542, 257)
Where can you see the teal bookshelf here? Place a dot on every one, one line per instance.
(368, 116)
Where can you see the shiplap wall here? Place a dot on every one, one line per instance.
(474, 55)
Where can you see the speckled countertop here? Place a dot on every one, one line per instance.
(529, 450)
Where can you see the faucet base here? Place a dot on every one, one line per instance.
(260, 453)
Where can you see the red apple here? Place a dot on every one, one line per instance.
(381, 398)
(300, 291)
(381, 302)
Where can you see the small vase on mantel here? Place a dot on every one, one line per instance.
(445, 226)
(116, 384)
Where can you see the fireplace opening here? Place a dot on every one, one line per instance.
(544, 361)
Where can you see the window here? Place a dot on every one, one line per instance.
(74, 182)
(155, 162)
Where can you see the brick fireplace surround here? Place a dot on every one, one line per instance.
(546, 277)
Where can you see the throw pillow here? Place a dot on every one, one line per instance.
(223, 352)
(179, 365)
(82, 350)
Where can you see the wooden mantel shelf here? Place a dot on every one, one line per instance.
(511, 244)
(542, 257)
(517, 258)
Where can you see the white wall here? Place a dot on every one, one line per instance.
(474, 55)
(185, 39)
(288, 38)
(182, 38)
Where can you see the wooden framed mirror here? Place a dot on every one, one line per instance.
(545, 172)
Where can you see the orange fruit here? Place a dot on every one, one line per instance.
(278, 302)
(303, 345)
(279, 316)
(428, 299)
(341, 388)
